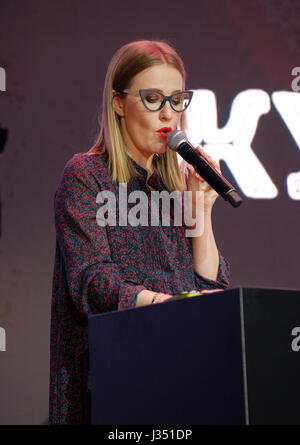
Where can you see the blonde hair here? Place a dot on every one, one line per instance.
(126, 63)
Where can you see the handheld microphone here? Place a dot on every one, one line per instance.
(178, 142)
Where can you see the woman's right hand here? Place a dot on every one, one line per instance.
(146, 297)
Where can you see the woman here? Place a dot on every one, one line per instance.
(103, 268)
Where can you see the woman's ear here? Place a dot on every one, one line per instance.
(118, 104)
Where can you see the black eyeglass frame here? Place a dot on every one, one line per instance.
(165, 99)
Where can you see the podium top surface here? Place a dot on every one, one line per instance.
(246, 292)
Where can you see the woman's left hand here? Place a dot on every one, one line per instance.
(196, 183)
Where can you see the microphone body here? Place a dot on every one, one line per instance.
(178, 142)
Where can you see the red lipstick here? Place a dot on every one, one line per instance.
(163, 132)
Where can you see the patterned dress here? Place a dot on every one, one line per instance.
(100, 269)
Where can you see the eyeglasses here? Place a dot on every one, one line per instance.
(155, 101)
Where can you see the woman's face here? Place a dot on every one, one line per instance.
(140, 127)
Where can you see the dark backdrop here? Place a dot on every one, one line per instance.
(55, 54)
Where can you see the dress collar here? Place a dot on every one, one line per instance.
(153, 182)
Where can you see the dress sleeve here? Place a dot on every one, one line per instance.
(93, 280)
(222, 280)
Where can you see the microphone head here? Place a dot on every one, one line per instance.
(175, 138)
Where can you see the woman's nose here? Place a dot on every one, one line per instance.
(166, 113)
